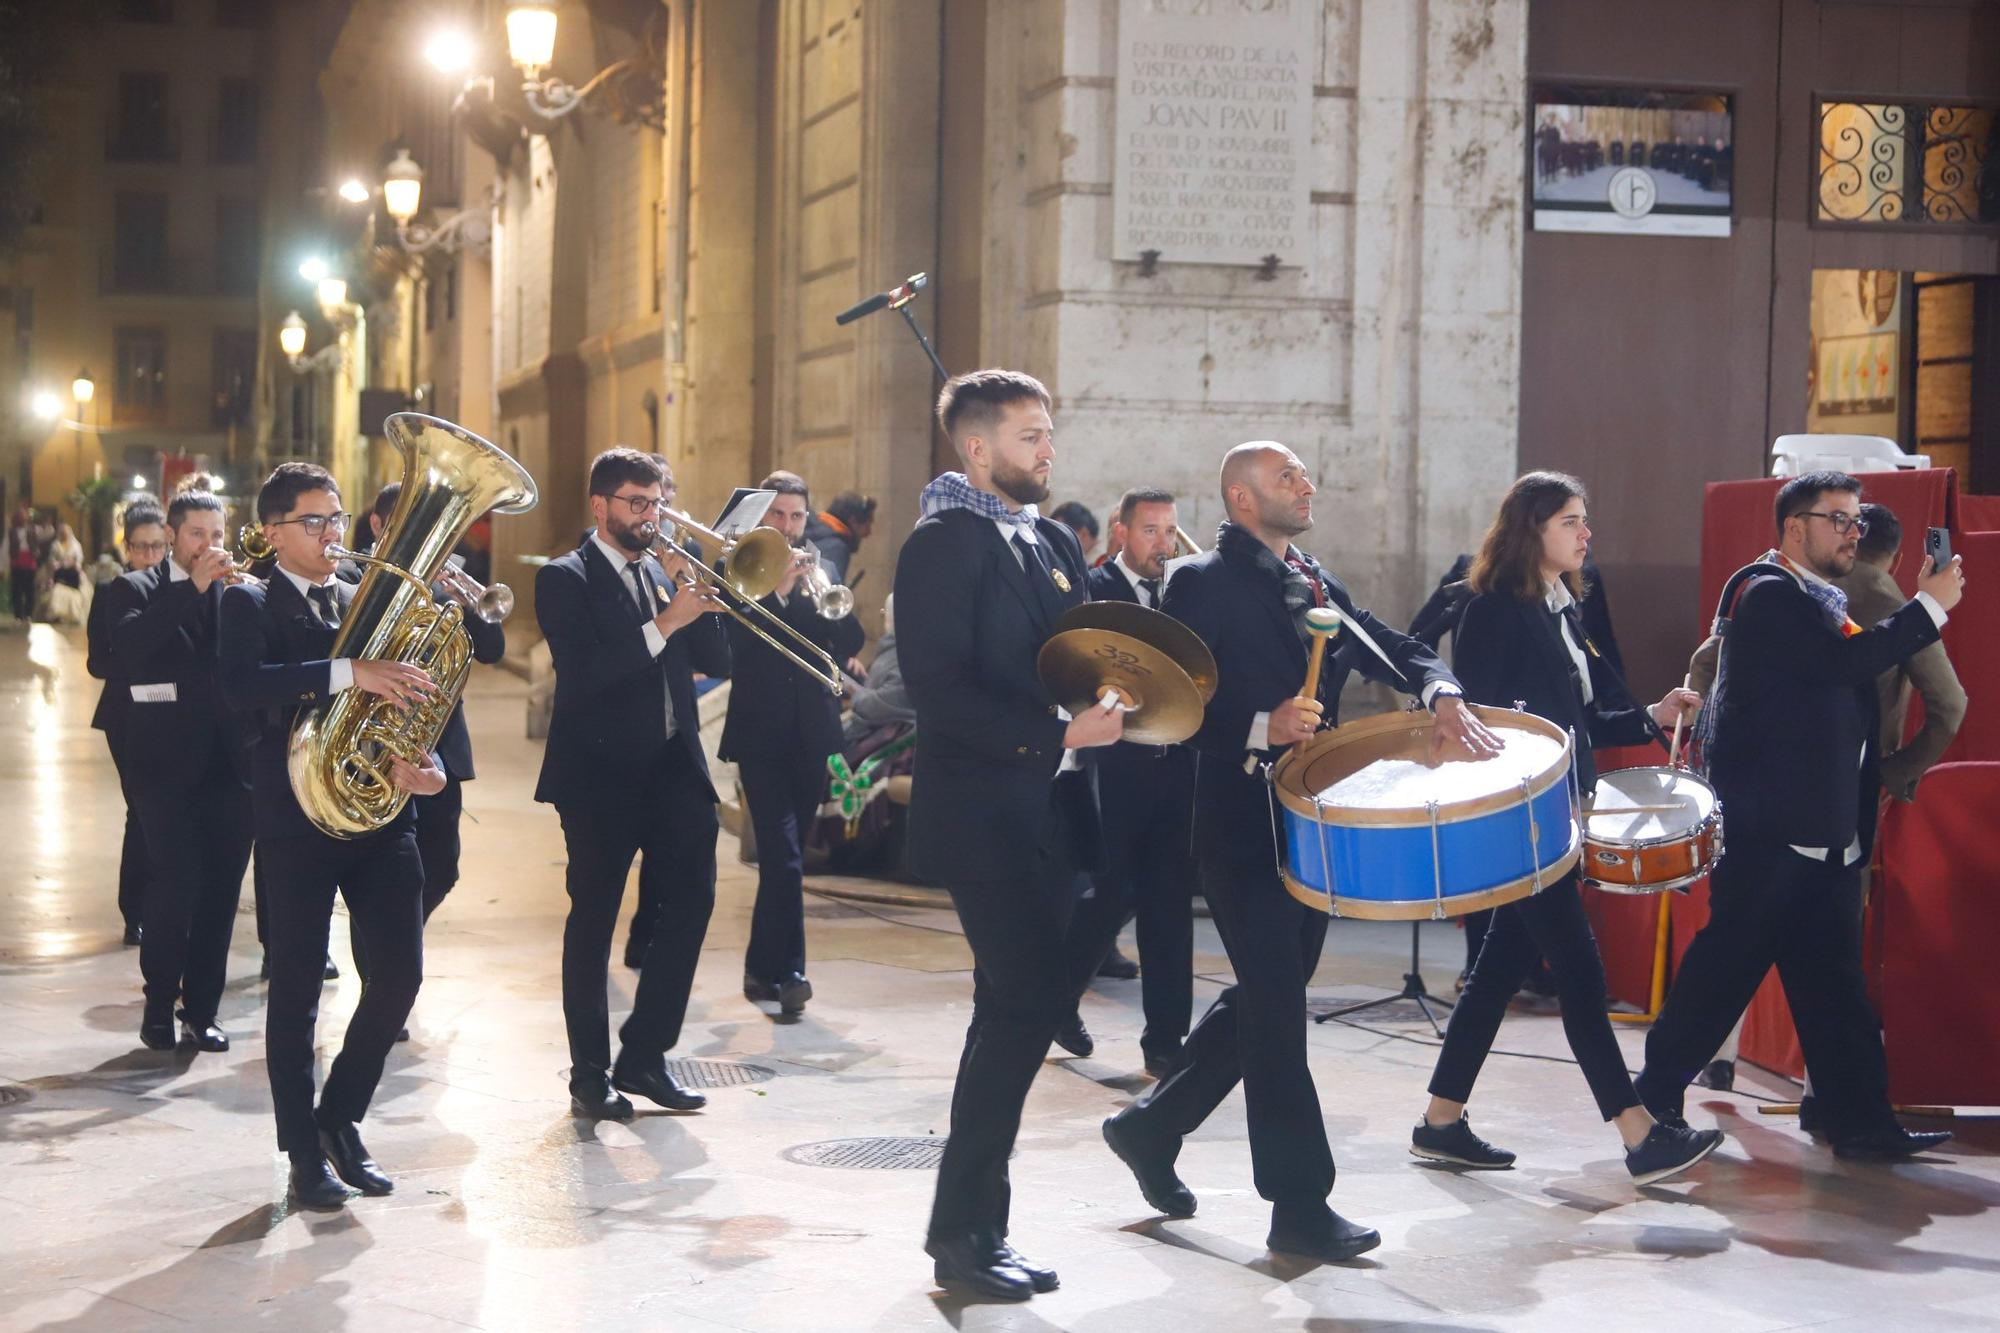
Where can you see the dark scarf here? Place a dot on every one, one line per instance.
(1298, 575)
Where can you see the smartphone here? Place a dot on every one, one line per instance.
(1937, 545)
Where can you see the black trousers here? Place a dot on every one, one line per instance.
(783, 796)
(1769, 905)
(381, 879)
(667, 812)
(1551, 925)
(437, 848)
(132, 865)
(1149, 872)
(1255, 1032)
(198, 843)
(21, 585)
(1020, 996)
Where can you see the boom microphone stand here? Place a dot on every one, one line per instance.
(898, 299)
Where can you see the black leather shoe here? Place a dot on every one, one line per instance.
(1809, 1120)
(402, 1034)
(1317, 1232)
(1159, 1062)
(657, 1085)
(349, 1155)
(1075, 1038)
(1719, 1075)
(758, 990)
(598, 1102)
(1118, 967)
(972, 1261)
(132, 933)
(1152, 1166)
(793, 992)
(264, 968)
(313, 1184)
(157, 1034)
(204, 1037)
(635, 952)
(332, 970)
(1889, 1145)
(1040, 1278)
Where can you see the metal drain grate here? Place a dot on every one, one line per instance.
(877, 1154)
(718, 1073)
(13, 1094)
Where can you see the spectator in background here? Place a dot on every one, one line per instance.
(23, 559)
(839, 529)
(67, 604)
(1083, 523)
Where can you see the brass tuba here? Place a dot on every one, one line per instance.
(339, 756)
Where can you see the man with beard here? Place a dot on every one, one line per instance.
(1000, 813)
(1247, 599)
(1145, 793)
(1792, 742)
(625, 771)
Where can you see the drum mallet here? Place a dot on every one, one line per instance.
(1322, 624)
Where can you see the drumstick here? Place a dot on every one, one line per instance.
(1322, 624)
(1674, 751)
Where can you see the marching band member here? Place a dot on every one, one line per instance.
(625, 771)
(1247, 599)
(1145, 793)
(145, 546)
(1793, 743)
(997, 814)
(1520, 643)
(184, 772)
(782, 725)
(275, 643)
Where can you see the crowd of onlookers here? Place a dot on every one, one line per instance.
(47, 578)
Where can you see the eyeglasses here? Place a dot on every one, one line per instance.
(146, 548)
(1842, 523)
(640, 505)
(315, 524)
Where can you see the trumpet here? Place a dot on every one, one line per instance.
(835, 601)
(492, 602)
(757, 562)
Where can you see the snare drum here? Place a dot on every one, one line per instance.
(1368, 827)
(1649, 830)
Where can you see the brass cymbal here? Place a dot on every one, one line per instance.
(1156, 629)
(1165, 703)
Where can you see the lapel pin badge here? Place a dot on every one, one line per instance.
(1062, 580)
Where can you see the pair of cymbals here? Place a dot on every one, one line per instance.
(1163, 673)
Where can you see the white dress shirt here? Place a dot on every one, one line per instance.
(1558, 598)
(1135, 578)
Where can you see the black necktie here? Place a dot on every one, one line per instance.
(637, 571)
(329, 609)
(1152, 587)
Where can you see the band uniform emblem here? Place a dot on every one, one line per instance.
(1062, 580)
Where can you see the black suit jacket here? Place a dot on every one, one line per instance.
(1238, 609)
(609, 687)
(116, 700)
(276, 658)
(163, 633)
(1134, 780)
(775, 709)
(489, 645)
(1794, 747)
(969, 623)
(1508, 650)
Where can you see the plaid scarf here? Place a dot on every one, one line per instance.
(1830, 599)
(953, 490)
(1298, 573)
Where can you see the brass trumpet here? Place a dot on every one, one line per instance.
(492, 602)
(757, 562)
(835, 601)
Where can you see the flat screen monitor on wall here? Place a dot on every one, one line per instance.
(1630, 161)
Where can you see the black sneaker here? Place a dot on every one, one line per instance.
(1719, 1075)
(1457, 1144)
(1668, 1151)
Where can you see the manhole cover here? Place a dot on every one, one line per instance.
(13, 1094)
(718, 1073)
(879, 1154)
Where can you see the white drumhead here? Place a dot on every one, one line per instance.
(1642, 805)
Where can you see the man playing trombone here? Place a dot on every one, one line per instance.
(625, 771)
(782, 725)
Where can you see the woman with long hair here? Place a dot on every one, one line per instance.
(1519, 643)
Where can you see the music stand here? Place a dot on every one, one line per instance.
(1413, 989)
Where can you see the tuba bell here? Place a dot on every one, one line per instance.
(339, 758)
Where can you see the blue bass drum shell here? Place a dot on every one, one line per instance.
(1407, 862)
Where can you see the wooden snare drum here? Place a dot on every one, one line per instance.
(1649, 830)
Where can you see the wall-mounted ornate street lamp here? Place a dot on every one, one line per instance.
(292, 342)
(632, 90)
(403, 196)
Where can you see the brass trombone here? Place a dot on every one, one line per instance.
(757, 562)
(1187, 544)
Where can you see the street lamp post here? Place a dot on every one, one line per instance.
(403, 197)
(633, 88)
